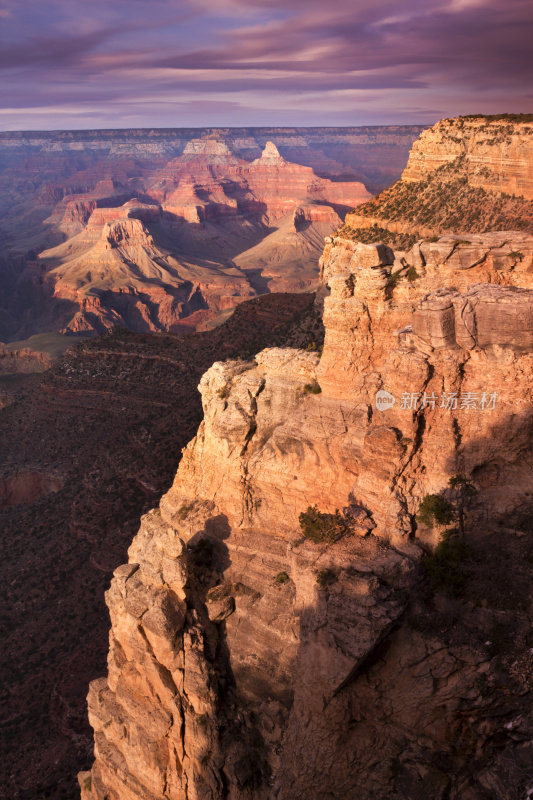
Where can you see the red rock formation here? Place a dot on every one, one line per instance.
(239, 648)
(105, 425)
(214, 182)
(463, 175)
(192, 252)
(50, 183)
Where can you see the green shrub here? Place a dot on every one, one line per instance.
(463, 490)
(445, 566)
(282, 577)
(325, 577)
(435, 509)
(312, 388)
(313, 347)
(376, 234)
(224, 392)
(499, 117)
(321, 527)
(516, 254)
(412, 274)
(88, 783)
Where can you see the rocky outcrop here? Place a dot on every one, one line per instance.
(483, 317)
(23, 360)
(270, 156)
(497, 153)
(471, 174)
(260, 645)
(212, 150)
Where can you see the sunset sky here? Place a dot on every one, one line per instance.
(174, 63)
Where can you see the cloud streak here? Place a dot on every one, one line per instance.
(230, 62)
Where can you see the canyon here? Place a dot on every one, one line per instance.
(87, 447)
(293, 613)
(183, 257)
(169, 230)
(333, 598)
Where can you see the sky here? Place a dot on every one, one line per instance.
(77, 64)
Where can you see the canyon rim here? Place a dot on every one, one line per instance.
(319, 606)
(266, 404)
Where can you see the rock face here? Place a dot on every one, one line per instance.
(86, 449)
(483, 317)
(471, 174)
(180, 246)
(270, 155)
(260, 645)
(498, 154)
(24, 360)
(209, 182)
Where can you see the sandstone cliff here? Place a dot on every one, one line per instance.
(470, 174)
(86, 449)
(257, 653)
(498, 153)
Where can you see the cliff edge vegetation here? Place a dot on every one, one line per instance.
(470, 174)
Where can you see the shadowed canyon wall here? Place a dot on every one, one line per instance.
(250, 660)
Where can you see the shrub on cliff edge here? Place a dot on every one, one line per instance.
(312, 388)
(435, 510)
(321, 527)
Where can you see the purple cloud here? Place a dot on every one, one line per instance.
(292, 61)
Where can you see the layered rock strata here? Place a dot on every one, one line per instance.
(215, 230)
(498, 153)
(471, 174)
(250, 661)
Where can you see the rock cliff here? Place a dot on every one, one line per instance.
(471, 174)
(274, 633)
(87, 447)
(498, 153)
